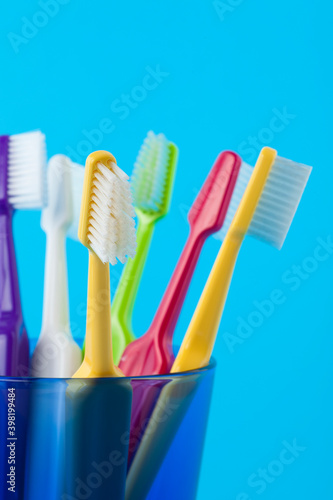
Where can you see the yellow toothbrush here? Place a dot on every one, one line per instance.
(108, 232)
(266, 212)
(101, 395)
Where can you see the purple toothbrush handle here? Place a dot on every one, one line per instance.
(14, 344)
(14, 347)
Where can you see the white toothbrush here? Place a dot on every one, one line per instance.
(56, 353)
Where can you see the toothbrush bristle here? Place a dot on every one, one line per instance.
(27, 171)
(111, 227)
(243, 178)
(77, 176)
(279, 201)
(152, 174)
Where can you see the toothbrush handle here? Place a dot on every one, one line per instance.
(13, 336)
(98, 350)
(124, 299)
(10, 312)
(166, 317)
(198, 344)
(55, 304)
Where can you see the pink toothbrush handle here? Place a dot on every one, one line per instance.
(152, 353)
(155, 347)
(165, 320)
(205, 217)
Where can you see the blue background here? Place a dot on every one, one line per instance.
(226, 74)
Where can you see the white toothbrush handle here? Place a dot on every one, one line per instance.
(55, 304)
(56, 353)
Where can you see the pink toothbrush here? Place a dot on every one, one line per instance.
(152, 353)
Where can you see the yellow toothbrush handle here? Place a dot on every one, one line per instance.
(98, 360)
(197, 346)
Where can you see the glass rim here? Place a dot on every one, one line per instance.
(178, 375)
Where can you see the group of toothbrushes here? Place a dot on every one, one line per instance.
(98, 203)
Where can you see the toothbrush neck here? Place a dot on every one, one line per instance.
(166, 318)
(98, 351)
(55, 305)
(10, 302)
(124, 299)
(4, 145)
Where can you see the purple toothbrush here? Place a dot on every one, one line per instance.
(22, 162)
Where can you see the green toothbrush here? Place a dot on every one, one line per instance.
(152, 184)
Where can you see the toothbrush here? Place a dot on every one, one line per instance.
(225, 183)
(266, 212)
(106, 228)
(56, 354)
(152, 353)
(22, 162)
(152, 185)
(56, 336)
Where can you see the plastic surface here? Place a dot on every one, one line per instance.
(90, 460)
(124, 299)
(152, 353)
(14, 345)
(98, 359)
(197, 348)
(56, 336)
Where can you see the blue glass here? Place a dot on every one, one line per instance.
(72, 438)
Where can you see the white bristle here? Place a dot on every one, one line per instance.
(77, 175)
(27, 170)
(279, 201)
(150, 174)
(243, 178)
(111, 231)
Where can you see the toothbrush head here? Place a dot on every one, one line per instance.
(279, 200)
(243, 179)
(68, 176)
(153, 175)
(26, 179)
(59, 210)
(210, 206)
(77, 176)
(106, 225)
